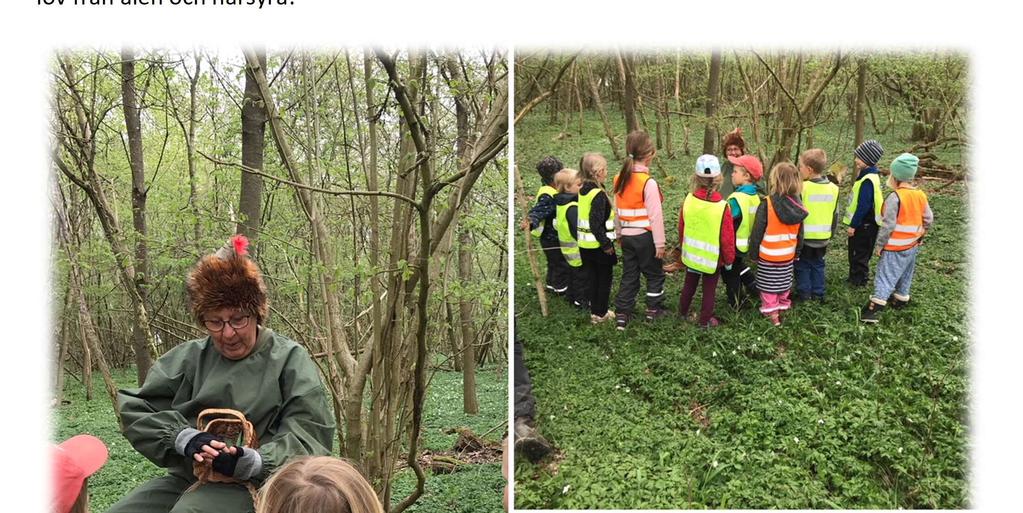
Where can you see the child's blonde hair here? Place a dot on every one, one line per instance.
(815, 159)
(564, 178)
(589, 164)
(710, 183)
(785, 179)
(317, 483)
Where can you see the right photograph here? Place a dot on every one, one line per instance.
(741, 279)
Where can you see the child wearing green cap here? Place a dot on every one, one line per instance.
(905, 219)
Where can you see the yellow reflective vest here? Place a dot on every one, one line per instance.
(569, 246)
(875, 182)
(748, 204)
(820, 200)
(701, 237)
(586, 237)
(544, 189)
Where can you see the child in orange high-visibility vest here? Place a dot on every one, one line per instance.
(905, 218)
(777, 238)
(640, 228)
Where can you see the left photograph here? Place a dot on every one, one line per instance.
(279, 279)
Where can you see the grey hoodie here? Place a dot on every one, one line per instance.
(790, 210)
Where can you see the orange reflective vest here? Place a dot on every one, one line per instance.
(629, 204)
(780, 239)
(909, 225)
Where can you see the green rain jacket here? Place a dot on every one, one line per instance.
(277, 387)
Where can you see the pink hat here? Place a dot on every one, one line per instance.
(74, 460)
(751, 163)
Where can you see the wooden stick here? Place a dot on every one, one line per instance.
(533, 266)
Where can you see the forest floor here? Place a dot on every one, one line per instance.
(474, 488)
(823, 412)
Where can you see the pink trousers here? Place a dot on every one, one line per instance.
(774, 302)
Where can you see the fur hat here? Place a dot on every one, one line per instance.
(734, 137)
(228, 279)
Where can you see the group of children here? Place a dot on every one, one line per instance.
(786, 233)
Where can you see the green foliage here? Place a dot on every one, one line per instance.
(823, 412)
(475, 488)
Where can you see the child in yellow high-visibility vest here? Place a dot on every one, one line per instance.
(906, 217)
(743, 203)
(566, 204)
(540, 221)
(863, 213)
(820, 197)
(707, 238)
(596, 236)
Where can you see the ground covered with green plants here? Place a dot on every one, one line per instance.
(474, 488)
(823, 412)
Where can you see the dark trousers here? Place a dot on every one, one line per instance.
(861, 247)
(598, 271)
(525, 404)
(710, 282)
(638, 258)
(810, 271)
(739, 278)
(559, 273)
(577, 287)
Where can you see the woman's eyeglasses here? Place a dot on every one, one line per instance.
(217, 325)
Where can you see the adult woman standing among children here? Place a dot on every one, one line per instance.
(640, 230)
(734, 147)
(777, 239)
(596, 235)
(707, 238)
(906, 218)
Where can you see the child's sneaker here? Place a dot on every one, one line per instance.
(896, 303)
(713, 322)
(621, 321)
(652, 314)
(597, 319)
(775, 318)
(871, 312)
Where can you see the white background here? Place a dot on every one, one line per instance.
(990, 37)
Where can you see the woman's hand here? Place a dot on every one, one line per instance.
(204, 445)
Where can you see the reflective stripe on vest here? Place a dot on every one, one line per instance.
(630, 205)
(545, 189)
(748, 204)
(701, 239)
(820, 200)
(854, 199)
(569, 246)
(779, 242)
(909, 225)
(586, 237)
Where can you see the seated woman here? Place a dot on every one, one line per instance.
(241, 365)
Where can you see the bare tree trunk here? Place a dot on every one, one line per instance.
(678, 102)
(470, 404)
(861, 95)
(62, 349)
(578, 95)
(710, 132)
(625, 69)
(254, 118)
(132, 120)
(595, 92)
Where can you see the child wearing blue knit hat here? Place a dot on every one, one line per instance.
(906, 217)
(863, 214)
